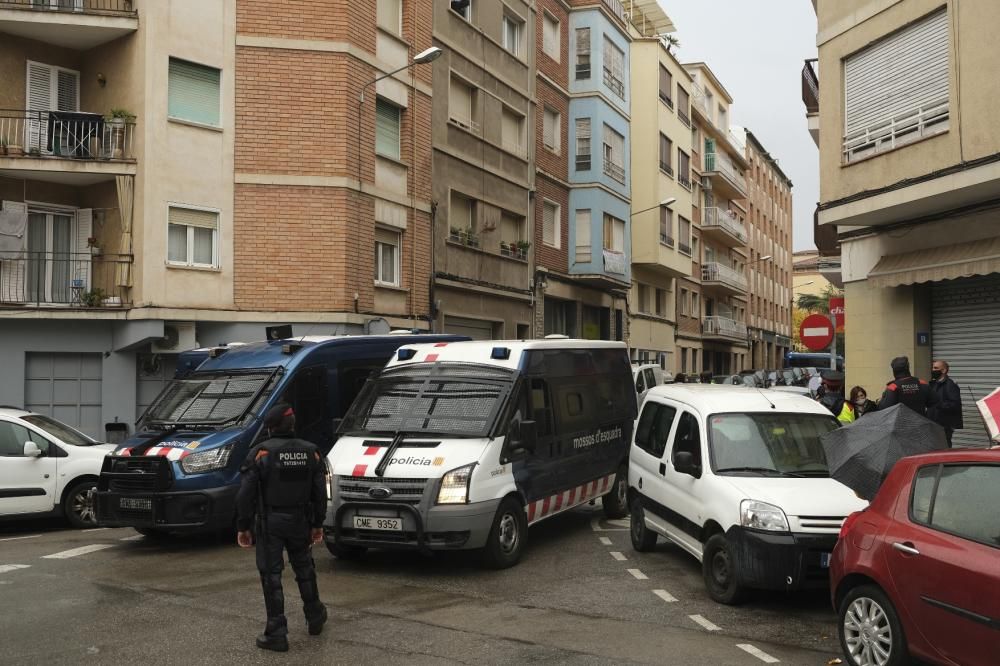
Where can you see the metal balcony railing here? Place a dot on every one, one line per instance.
(720, 218)
(699, 100)
(614, 83)
(615, 171)
(721, 163)
(617, 8)
(66, 134)
(666, 168)
(467, 124)
(716, 272)
(900, 130)
(810, 85)
(724, 327)
(109, 7)
(64, 278)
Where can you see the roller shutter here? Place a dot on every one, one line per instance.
(66, 387)
(474, 328)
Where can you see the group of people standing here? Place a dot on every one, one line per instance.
(940, 400)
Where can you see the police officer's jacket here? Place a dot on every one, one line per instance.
(909, 391)
(838, 406)
(287, 475)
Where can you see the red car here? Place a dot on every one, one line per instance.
(917, 573)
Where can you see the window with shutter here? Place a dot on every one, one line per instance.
(683, 168)
(897, 90)
(511, 227)
(666, 148)
(643, 304)
(551, 231)
(386, 128)
(683, 106)
(462, 213)
(512, 131)
(390, 15)
(461, 104)
(583, 144)
(387, 257)
(684, 235)
(614, 68)
(551, 130)
(582, 54)
(192, 236)
(666, 226)
(583, 244)
(49, 88)
(666, 85)
(193, 92)
(551, 38)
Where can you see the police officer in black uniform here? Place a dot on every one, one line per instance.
(907, 390)
(283, 499)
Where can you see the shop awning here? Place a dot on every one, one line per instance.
(938, 263)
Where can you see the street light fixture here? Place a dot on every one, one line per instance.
(668, 202)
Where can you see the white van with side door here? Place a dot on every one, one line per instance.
(463, 445)
(738, 478)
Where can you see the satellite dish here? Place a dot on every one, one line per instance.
(377, 326)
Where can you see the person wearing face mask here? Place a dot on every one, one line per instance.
(948, 411)
(862, 405)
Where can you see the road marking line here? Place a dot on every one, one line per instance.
(4, 568)
(33, 536)
(705, 624)
(666, 596)
(82, 550)
(605, 541)
(96, 529)
(618, 556)
(137, 537)
(760, 654)
(638, 575)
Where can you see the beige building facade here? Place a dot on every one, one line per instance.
(911, 183)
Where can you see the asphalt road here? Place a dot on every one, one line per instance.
(580, 595)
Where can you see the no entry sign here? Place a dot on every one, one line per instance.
(816, 332)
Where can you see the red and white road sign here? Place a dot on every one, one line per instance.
(816, 332)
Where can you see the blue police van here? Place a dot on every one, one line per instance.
(180, 472)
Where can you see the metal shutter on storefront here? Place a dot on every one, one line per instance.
(66, 387)
(964, 332)
(476, 329)
(901, 73)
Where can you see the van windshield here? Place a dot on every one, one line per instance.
(208, 399)
(450, 399)
(769, 444)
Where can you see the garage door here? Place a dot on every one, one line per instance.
(67, 387)
(965, 330)
(476, 329)
(153, 371)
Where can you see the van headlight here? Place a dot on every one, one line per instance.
(329, 479)
(207, 461)
(455, 486)
(762, 516)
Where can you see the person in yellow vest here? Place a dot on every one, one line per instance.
(833, 396)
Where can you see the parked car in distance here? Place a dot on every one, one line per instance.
(917, 574)
(645, 376)
(47, 468)
(739, 480)
(797, 390)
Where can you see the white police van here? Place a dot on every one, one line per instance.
(463, 445)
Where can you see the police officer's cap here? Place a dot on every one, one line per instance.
(832, 376)
(277, 415)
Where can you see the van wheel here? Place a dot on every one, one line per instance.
(78, 507)
(507, 536)
(344, 552)
(718, 567)
(870, 631)
(615, 503)
(643, 538)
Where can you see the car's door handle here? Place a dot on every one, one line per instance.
(906, 548)
(663, 469)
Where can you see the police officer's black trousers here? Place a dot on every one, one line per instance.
(291, 532)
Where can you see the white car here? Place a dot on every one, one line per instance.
(47, 468)
(647, 375)
(739, 480)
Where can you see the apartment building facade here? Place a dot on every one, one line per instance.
(660, 196)
(911, 183)
(769, 266)
(176, 174)
(712, 304)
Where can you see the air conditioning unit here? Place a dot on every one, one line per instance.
(178, 336)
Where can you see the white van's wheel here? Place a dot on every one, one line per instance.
(78, 504)
(507, 536)
(615, 503)
(643, 538)
(719, 571)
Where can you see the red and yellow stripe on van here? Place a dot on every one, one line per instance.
(566, 500)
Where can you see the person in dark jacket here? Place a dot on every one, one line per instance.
(282, 501)
(905, 389)
(833, 396)
(948, 411)
(859, 400)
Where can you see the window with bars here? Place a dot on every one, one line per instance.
(614, 68)
(683, 168)
(193, 92)
(666, 226)
(551, 224)
(683, 105)
(684, 235)
(387, 120)
(583, 158)
(666, 149)
(551, 37)
(666, 87)
(192, 237)
(551, 130)
(387, 257)
(582, 54)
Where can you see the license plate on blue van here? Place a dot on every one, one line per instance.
(135, 503)
(824, 560)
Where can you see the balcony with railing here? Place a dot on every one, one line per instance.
(724, 226)
(75, 24)
(614, 171)
(723, 278)
(728, 180)
(723, 328)
(810, 96)
(64, 279)
(614, 84)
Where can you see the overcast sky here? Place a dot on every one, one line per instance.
(756, 48)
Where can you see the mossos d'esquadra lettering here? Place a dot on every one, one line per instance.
(601, 436)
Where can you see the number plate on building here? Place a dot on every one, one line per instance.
(136, 504)
(372, 523)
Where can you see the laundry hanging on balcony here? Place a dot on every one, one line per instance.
(13, 227)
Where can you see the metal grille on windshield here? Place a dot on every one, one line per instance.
(355, 489)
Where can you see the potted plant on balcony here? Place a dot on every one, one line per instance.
(455, 234)
(93, 298)
(119, 119)
(95, 250)
(469, 237)
(522, 249)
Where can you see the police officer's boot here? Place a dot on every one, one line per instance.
(275, 636)
(313, 608)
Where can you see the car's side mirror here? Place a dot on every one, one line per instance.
(31, 450)
(684, 464)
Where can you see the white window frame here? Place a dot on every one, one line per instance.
(466, 13)
(552, 49)
(556, 224)
(188, 120)
(190, 263)
(556, 146)
(511, 19)
(396, 257)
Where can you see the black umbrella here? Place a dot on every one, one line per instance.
(861, 454)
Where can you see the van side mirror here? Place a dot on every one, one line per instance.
(527, 435)
(684, 464)
(31, 450)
